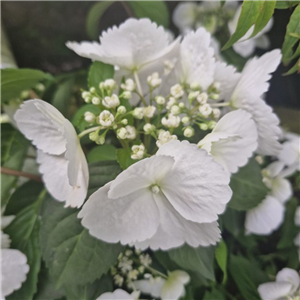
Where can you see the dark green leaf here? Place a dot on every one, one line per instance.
(24, 233)
(14, 81)
(264, 16)
(94, 17)
(124, 158)
(62, 96)
(293, 69)
(214, 294)
(249, 14)
(221, 258)
(247, 187)
(156, 11)
(99, 72)
(289, 40)
(200, 260)
(101, 173)
(102, 153)
(78, 119)
(72, 255)
(247, 276)
(285, 4)
(14, 147)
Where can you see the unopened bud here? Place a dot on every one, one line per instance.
(138, 113)
(109, 84)
(177, 91)
(195, 86)
(92, 90)
(149, 128)
(89, 117)
(160, 100)
(149, 111)
(205, 110)
(126, 95)
(106, 118)
(188, 132)
(202, 98)
(175, 110)
(138, 151)
(185, 120)
(96, 101)
(124, 122)
(203, 126)
(121, 110)
(111, 102)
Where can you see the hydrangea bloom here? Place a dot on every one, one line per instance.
(162, 201)
(286, 286)
(62, 161)
(246, 45)
(245, 91)
(232, 141)
(131, 46)
(170, 288)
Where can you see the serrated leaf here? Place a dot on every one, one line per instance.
(78, 119)
(264, 16)
(14, 81)
(99, 72)
(289, 41)
(102, 153)
(221, 258)
(101, 173)
(200, 260)
(247, 187)
(156, 11)
(124, 158)
(24, 233)
(14, 147)
(72, 255)
(94, 17)
(285, 4)
(249, 14)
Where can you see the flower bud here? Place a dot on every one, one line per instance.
(96, 101)
(160, 100)
(40, 87)
(92, 90)
(202, 98)
(185, 120)
(216, 113)
(85, 94)
(129, 85)
(106, 118)
(171, 122)
(126, 95)
(181, 105)
(138, 151)
(109, 84)
(149, 128)
(164, 137)
(175, 110)
(89, 117)
(203, 126)
(138, 113)
(111, 102)
(131, 132)
(188, 132)
(149, 111)
(177, 91)
(153, 80)
(122, 133)
(93, 136)
(214, 96)
(205, 110)
(124, 122)
(100, 140)
(121, 110)
(195, 86)
(171, 102)
(211, 124)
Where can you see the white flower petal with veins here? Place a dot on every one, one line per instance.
(118, 294)
(163, 201)
(62, 161)
(13, 270)
(233, 140)
(184, 15)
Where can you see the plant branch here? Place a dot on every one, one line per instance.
(20, 174)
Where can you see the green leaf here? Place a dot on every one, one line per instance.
(264, 16)
(99, 72)
(78, 119)
(247, 276)
(285, 4)
(14, 81)
(124, 158)
(249, 14)
(293, 27)
(72, 255)
(214, 294)
(294, 68)
(101, 173)
(221, 258)
(14, 147)
(102, 153)
(62, 96)
(24, 233)
(94, 17)
(247, 187)
(200, 260)
(156, 11)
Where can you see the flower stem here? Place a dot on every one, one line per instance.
(20, 174)
(223, 104)
(139, 87)
(85, 132)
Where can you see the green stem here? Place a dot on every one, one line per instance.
(85, 132)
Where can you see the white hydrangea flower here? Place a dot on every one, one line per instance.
(286, 286)
(205, 110)
(149, 111)
(161, 202)
(165, 137)
(111, 102)
(177, 91)
(166, 289)
(171, 122)
(245, 91)
(62, 161)
(118, 294)
(232, 141)
(246, 45)
(106, 118)
(131, 46)
(14, 269)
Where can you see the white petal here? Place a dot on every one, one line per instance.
(281, 189)
(150, 286)
(234, 153)
(265, 218)
(197, 60)
(289, 275)
(197, 187)
(275, 168)
(43, 124)
(173, 230)
(290, 153)
(141, 175)
(274, 290)
(228, 78)
(245, 48)
(13, 270)
(262, 42)
(128, 219)
(90, 50)
(185, 14)
(6, 220)
(5, 240)
(118, 294)
(55, 176)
